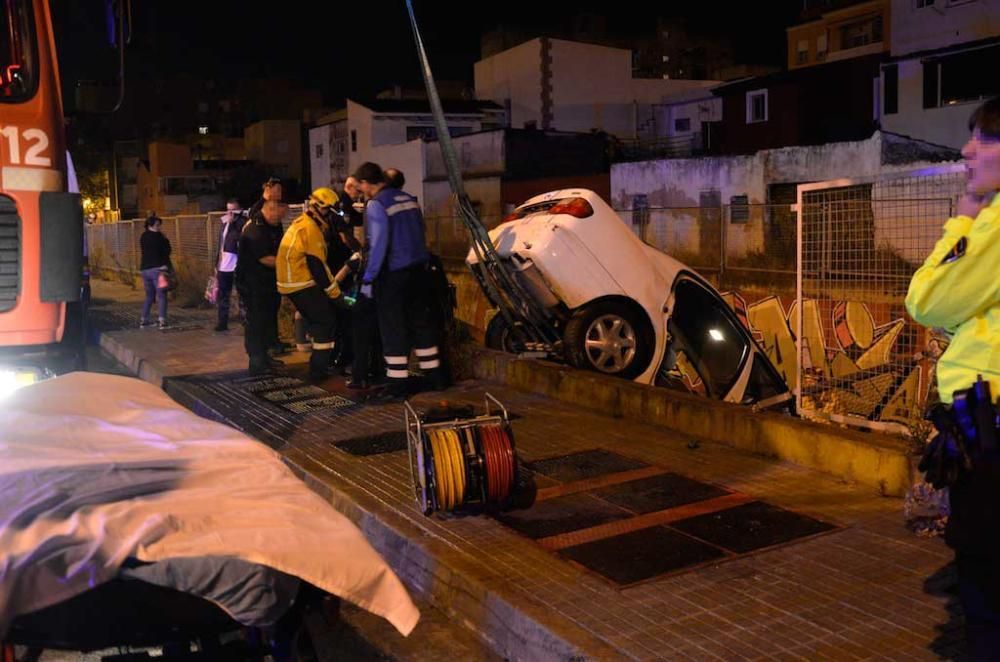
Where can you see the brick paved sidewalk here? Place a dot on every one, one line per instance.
(858, 592)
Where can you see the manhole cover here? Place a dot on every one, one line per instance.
(751, 526)
(289, 393)
(376, 444)
(630, 531)
(648, 495)
(561, 515)
(586, 464)
(639, 555)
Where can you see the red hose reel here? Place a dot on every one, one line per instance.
(463, 463)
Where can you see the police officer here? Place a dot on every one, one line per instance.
(395, 276)
(305, 277)
(957, 289)
(256, 283)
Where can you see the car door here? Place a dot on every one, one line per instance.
(711, 353)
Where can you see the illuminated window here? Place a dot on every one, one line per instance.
(203, 130)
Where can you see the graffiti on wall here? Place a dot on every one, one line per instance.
(852, 363)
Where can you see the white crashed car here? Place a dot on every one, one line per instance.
(625, 308)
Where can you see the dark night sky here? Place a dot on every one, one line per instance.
(360, 48)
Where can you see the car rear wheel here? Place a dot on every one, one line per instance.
(608, 337)
(500, 336)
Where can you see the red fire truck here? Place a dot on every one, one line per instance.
(41, 221)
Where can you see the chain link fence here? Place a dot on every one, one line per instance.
(732, 244)
(859, 357)
(194, 240)
(114, 254)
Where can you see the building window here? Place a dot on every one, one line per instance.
(203, 130)
(861, 33)
(924, 3)
(682, 124)
(802, 53)
(739, 209)
(958, 78)
(963, 76)
(756, 106)
(354, 140)
(319, 151)
(890, 78)
(821, 47)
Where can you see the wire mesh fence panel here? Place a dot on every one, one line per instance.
(171, 230)
(119, 250)
(760, 238)
(863, 359)
(193, 244)
(213, 233)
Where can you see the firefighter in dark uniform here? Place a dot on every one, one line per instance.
(256, 283)
(396, 277)
(957, 289)
(304, 276)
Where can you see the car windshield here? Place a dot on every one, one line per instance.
(708, 337)
(18, 52)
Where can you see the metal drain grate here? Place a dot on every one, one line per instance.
(583, 465)
(376, 444)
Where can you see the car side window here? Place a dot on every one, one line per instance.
(705, 331)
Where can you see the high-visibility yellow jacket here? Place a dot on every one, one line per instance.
(958, 289)
(301, 261)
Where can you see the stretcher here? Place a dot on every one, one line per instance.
(125, 519)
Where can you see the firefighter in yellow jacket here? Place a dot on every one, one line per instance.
(304, 277)
(958, 289)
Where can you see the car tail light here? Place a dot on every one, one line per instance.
(577, 207)
(513, 216)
